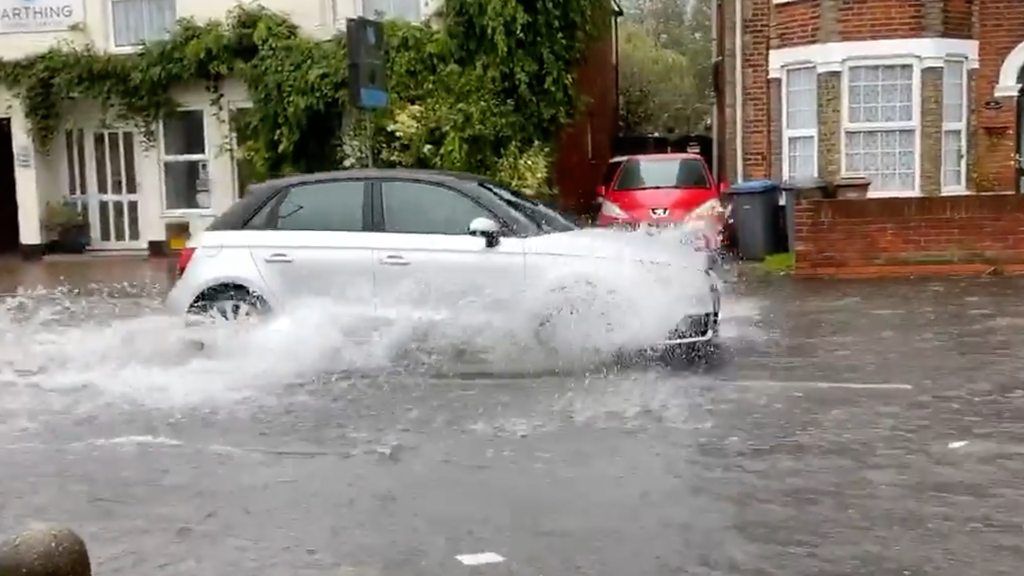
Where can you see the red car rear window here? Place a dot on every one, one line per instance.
(610, 172)
(639, 173)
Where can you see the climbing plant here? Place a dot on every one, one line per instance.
(486, 91)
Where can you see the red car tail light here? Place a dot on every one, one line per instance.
(183, 259)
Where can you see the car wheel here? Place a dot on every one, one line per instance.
(229, 304)
(688, 356)
(565, 306)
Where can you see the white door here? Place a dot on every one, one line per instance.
(103, 179)
(426, 261)
(313, 247)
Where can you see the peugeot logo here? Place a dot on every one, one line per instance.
(659, 212)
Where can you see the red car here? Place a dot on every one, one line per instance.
(661, 189)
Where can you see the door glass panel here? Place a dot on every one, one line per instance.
(116, 178)
(119, 232)
(330, 206)
(133, 220)
(69, 154)
(80, 145)
(129, 162)
(101, 163)
(415, 208)
(104, 221)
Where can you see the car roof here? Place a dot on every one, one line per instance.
(438, 176)
(665, 155)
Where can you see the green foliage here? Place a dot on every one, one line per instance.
(57, 217)
(666, 67)
(487, 92)
(783, 263)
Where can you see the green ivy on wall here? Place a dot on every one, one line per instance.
(486, 91)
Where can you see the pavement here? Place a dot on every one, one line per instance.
(860, 427)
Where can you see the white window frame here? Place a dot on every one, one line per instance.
(127, 49)
(361, 10)
(914, 123)
(795, 133)
(232, 106)
(961, 126)
(204, 157)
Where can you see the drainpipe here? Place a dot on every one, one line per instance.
(615, 39)
(716, 81)
(738, 69)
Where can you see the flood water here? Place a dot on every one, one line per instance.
(846, 428)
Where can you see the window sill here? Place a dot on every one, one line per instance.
(184, 214)
(896, 194)
(125, 49)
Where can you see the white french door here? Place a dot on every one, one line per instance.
(102, 179)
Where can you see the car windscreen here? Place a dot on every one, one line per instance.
(640, 173)
(545, 218)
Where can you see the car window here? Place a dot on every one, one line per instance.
(610, 172)
(326, 206)
(416, 208)
(545, 218)
(641, 173)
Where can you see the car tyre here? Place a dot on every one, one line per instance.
(690, 356)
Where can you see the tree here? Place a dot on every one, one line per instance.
(666, 66)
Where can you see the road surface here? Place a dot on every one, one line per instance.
(849, 428)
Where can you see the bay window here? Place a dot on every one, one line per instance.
(954, 115)
(880, 126)
(800, 128)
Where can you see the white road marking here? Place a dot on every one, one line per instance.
(865, 386)
(849, 385)
(481, 558)
(958, 444)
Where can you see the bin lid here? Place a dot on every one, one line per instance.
(754, 187)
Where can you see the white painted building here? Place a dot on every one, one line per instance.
(134, 193)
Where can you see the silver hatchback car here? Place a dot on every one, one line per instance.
(368, 235)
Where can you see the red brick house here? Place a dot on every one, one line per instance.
(921, 96)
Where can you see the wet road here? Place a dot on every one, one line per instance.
(850, 428)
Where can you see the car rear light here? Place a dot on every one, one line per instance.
(611, 209)
(710, 209)
(183, 259)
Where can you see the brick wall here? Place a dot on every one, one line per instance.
(878, 19)
(1000, 28)
(829, 124)
(756, 26)
(956, 19)
(931, 130)
(795, 23)
(903, 236)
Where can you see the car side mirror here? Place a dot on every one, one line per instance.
(486, 228)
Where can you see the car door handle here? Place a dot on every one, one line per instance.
(278, 257)
(394, 260)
